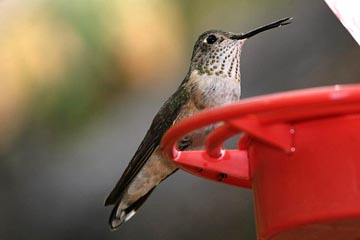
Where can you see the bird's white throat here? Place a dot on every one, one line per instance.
(211, 90)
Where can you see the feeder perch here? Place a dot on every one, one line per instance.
(299, 152)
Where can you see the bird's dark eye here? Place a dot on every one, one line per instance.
(211, 39)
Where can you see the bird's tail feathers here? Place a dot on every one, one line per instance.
(119, 216)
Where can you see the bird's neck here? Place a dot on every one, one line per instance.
(211, 90)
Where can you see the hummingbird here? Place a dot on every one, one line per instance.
(213, 79)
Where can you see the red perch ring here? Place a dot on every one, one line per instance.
(299, 153)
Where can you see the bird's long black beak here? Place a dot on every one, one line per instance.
(279, 23)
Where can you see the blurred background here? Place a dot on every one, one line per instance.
(82, 80)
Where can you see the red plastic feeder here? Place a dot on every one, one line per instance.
(300, 153)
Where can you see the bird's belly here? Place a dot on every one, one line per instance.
(151, 174)
(158, 167)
